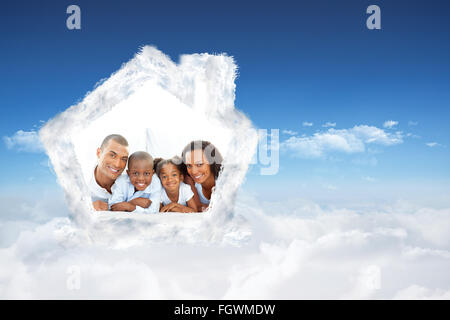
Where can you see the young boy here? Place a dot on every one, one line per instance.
(140, 189)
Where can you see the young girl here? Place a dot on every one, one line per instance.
(176, 196)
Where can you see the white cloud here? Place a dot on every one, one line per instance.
(353, 140)
(418, 253)
(329, 124)
(433, 144)
(365, 283)
(416, 292)
(289, 132)
(299, 250)
(330, 187)
(413, 123)
(307, 124)
(412, 135)
(27, 141)
(390, 123)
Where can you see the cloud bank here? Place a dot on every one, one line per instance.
(299, 249)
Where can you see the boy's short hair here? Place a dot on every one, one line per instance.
(117, 138)
(140, 155)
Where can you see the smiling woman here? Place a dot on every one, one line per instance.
(203, 163)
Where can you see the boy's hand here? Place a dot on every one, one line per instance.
(141, 202)
(100, 205)
(123, 206)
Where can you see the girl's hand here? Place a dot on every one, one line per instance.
(176, 207)
(169, 207)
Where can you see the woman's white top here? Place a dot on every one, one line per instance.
(203, 199)
(184, 195)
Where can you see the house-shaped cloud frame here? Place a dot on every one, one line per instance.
(202, 82)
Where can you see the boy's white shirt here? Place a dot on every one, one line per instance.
(123, 190)
(184, 195)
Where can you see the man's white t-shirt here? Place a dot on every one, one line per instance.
(184, 195)
(97, 192)
(123, 190)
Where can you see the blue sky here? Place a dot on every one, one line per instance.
(310, 61)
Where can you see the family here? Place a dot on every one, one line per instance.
(179, 184)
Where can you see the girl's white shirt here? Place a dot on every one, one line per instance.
(184, 195)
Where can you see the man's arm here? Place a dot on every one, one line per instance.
(100, 205)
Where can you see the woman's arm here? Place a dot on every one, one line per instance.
(192, 205)
(188, 180)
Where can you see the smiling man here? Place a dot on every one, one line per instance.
(112, 160)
